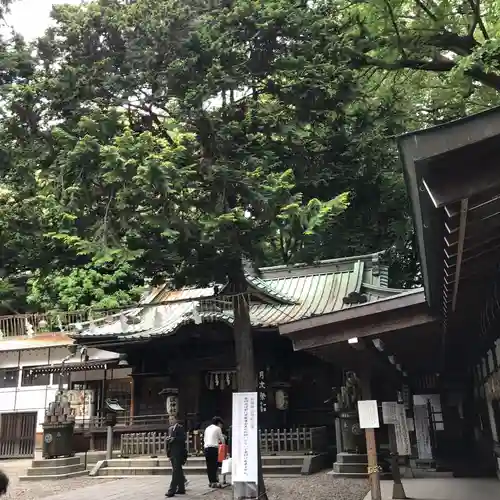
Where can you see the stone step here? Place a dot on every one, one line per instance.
(55, 462)
(55, 471)
(197, 461)
(188, 470)
(55, 477)
(352, 458)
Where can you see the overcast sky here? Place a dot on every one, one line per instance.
(32, 17)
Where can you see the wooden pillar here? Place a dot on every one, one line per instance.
(103, 391)
(189, 397)
(398, 491)
(132, 399)
(371, 443)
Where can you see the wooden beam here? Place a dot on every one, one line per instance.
(476, 229)
(464, 205)
(450, 136)
(450, 178)
(397, 302)
(310, 340)
(479, 207)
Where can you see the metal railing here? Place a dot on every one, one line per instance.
(20, 325)
(17, 325)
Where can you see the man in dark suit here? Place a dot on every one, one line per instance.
(177, 452)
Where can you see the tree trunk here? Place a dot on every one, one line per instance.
(243, 341)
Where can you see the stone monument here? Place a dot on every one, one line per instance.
(351, 444)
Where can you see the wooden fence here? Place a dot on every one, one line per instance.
(144, 421)
(301, 439)
(272, 441)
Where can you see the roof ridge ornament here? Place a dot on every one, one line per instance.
(354, 298)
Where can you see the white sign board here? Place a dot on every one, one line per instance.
(368, 414)
(81, 402)
(401, 431)
(422, 430)
(389, 412)
(245, 437)
(410, 424)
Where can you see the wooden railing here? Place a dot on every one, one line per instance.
(18, 325)
(272, 441)
(301, 439)
(155, 443)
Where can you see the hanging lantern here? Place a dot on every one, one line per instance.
(172, 405)
(281, 399)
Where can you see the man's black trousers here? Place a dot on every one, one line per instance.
(177, 483)
(211, 458)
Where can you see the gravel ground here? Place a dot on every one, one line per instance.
(33, 490)
(320, 486)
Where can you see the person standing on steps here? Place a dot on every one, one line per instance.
(177, 452)
(212, 438)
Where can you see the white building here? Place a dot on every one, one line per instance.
(30, 374)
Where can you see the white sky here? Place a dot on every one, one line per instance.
(32, 17)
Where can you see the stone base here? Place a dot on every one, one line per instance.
(354, 465)
(351, 465)
(55, 468)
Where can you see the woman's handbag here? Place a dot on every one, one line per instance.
(223, 451)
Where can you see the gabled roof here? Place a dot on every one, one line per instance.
(279, 295)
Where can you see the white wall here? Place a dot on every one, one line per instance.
(37, 398)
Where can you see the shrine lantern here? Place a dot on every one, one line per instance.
(172, 405)
(171, 400)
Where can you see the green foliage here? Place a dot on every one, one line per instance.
(446, 52)
(96, 285)
(164, 139)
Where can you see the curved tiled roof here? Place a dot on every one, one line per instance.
(290, 293)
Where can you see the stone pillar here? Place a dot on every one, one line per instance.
(338, 434)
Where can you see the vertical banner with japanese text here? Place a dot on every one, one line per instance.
(262, 388)
(245, 437)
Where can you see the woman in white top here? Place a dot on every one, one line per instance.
(211, 440)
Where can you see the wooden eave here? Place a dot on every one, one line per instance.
(362, 310)
(75, 367)
(367, 320)
(453, 181)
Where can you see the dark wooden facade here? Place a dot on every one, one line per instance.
(199, 361)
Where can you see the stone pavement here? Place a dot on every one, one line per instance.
(445, 489)
(135, 488)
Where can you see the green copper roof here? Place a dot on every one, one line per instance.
(280, 295)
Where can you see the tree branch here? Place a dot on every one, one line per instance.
(396, 29)
(426, 9)
(437, 66)
(477, 19)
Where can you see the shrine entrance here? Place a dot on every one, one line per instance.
(217, 396)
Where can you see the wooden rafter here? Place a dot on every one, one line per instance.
(461, 237)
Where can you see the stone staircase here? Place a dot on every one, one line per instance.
(56, 468)
(121, 467)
